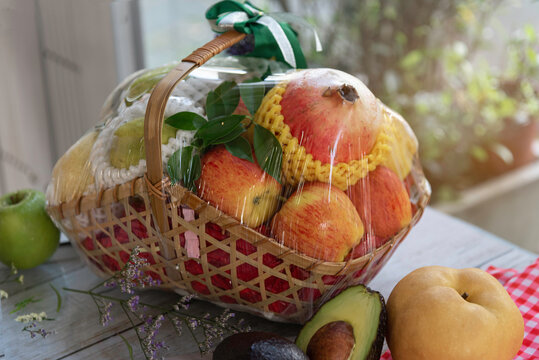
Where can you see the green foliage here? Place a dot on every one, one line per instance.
(58, 298)
(128, 345)
(268, 151)
(241, 148)
(223, 128)
(186, 120)
(215, 130)
(223, 100)
(422, 58)
(184, 165)
(252, 95)
(24, 303)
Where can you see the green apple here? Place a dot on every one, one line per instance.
(28, 237)
(128, 145)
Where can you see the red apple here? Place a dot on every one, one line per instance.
(241, 109)
(382, 202)
(332, 114)
(320, 221)
(238, 187)
(368, 244)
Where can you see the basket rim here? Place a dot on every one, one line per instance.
(137, 186)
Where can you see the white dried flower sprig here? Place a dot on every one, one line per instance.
(147, 322)
(32, 328)
(26, 318)
(31, 319)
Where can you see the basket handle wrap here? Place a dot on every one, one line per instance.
(153, 124)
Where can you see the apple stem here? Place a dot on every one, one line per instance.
(465, 295)
(16, 198)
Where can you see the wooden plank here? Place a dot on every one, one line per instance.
(78, 332)
(64, 261)
(114, 348)
(515, 258)
(437, 239)
(75, 325)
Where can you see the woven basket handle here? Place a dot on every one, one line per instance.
(153, 121)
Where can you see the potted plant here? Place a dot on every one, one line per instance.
(472, 121)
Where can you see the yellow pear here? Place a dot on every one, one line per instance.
(72, 173)
(403, 145)
(441, 313)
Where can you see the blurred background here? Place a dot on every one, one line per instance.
(464, 73)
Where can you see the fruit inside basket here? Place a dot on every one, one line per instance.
(243, 182)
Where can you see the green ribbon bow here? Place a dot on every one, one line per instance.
(272, 38)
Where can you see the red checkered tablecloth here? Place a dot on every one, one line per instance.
(524, 289)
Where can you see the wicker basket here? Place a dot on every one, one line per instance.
(238, 266)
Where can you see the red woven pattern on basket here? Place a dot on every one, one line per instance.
(236, 265)
(524, 290)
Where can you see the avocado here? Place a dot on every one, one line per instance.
(334, 341)
(350, 326)
(257, 346)
(128, 144)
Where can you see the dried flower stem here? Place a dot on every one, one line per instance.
(124, 301)
(190, 321)
(146, 325)
(135, 326)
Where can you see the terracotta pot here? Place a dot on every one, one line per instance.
(519, 140)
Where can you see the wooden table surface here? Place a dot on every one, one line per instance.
(437, 240)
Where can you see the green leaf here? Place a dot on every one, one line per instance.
(218, 128)
(23, 303)
(234, 134)
(197, 142)
(268, 152)
(174, 167)
(184, 165)
(58, 298)
(129, 347)
(252, 93)
(266, 73)
(223, 100)
(240, 148)
(192, 173)
(186, 120)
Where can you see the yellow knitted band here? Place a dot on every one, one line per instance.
(299, 166)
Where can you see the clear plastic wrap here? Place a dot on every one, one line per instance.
(279, 193)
